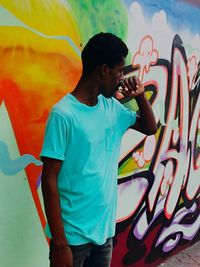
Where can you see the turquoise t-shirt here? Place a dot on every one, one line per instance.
(87, 139)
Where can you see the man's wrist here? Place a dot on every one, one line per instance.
(140, 97)
(59, 243)
(59, 246)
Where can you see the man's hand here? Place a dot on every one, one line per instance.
(131, 87)
(61, 256)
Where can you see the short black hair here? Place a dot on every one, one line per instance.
(103, 48)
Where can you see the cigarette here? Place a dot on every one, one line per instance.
(119, 87)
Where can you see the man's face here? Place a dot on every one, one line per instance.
(111, 80)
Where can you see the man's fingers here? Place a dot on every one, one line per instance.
(121, 86)
(135, 81)
(131, 86)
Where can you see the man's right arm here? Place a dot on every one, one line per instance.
(61, 255)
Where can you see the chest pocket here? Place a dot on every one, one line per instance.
(110, 136)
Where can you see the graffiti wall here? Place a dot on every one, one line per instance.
(159, 175)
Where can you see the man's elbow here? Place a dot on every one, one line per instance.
(151, 130)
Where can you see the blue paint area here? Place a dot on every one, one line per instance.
(11, 167)
(180, 15)
(8, 19)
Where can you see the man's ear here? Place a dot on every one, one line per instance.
(104, 69)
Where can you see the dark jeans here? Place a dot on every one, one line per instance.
(91, 255)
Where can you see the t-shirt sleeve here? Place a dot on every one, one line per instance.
(126, 117)
(55, 138)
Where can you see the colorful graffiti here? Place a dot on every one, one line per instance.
(163, 190)
(159, 176)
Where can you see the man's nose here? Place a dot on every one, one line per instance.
(122, 76)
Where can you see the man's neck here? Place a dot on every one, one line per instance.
(87, 90)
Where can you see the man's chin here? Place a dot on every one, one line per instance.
(109, 95)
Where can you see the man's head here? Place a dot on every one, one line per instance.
(106, 53)
(103, 48)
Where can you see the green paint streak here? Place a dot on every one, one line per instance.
(129, 166)
(100, 16)
(132, 104)
(126, 167)
(198, 139)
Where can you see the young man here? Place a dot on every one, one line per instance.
(80, 156)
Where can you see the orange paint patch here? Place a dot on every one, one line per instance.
(29, 89)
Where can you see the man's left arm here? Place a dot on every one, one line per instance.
(145, 122)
